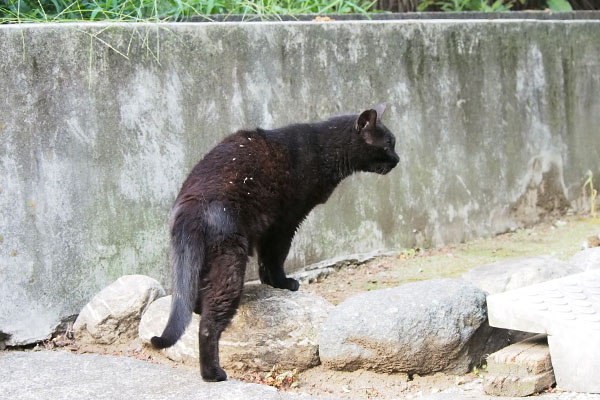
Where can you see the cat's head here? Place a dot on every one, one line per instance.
(376, 142)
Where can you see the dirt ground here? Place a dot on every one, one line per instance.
(562, 239)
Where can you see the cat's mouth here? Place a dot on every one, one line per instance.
(384, 169)
(386, 166)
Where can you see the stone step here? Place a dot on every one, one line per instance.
(529, 357)
(521, 369)
(512, 386)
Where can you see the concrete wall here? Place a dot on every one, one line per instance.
(497, 123)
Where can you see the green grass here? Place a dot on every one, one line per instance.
(544, 239)
(18, 11)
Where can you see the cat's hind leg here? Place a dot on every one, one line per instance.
(273, 249)
(221, 292)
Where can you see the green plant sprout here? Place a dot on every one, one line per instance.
(478, 372)
(592, 193)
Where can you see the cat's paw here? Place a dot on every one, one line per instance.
(213, 374)
(292, 284)
(286, 283)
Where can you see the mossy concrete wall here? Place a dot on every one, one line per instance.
(497, 123)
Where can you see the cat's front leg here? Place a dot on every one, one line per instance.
(273, 249)
(278, 279)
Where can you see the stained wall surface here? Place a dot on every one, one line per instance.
(497, 124)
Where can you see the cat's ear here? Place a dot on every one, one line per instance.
(380, 109)
(365, 125)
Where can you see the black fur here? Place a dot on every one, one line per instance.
(250, 192)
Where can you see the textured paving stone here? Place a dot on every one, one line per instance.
(568, 310)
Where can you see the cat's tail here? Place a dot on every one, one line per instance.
(187, 258)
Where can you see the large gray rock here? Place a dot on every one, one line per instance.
(271, 326)
(113, 315)
(512, 274)
(422, 328)
(587, 259)
(153, 322)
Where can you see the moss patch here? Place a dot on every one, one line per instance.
(558, 240)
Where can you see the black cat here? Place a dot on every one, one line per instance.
(252, 191)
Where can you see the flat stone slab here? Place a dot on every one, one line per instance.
(520, 369)
(63, 375)
(568, 310)
(478, 395)
(519, 272)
